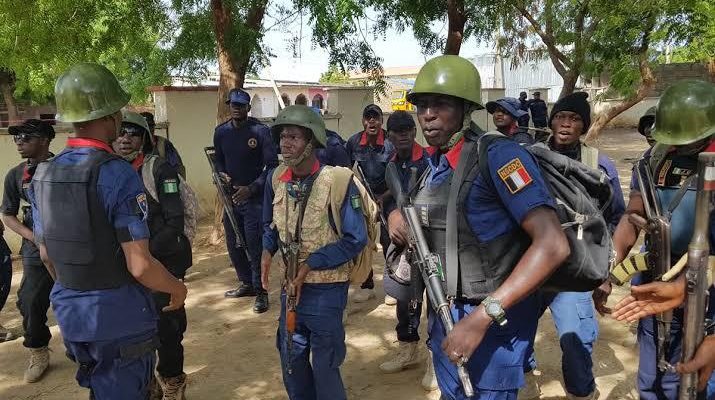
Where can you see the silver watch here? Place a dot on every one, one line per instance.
(494, 310)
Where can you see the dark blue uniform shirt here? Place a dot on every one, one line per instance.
(353, 237)
(498, 204)
(418, 161)
(372, 159)
(245, 153)
(94, 315)
(539, 112)
(334, 152)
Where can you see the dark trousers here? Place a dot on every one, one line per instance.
(5, 279)
(408, 320)
(248, 218)
(33, 301)
(172, 325)
(384, 242)
(110, 375)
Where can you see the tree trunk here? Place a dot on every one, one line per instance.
(570, 80)
(604, 117)
(455, 30)
(7, 87)
(232, 70)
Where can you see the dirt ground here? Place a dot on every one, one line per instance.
(231, 354)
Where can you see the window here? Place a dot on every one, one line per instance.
(286, 99)
(318, 101)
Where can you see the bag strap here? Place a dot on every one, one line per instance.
(341, 181)
(148, 176)
(589, 156)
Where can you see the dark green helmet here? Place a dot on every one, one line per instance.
(450, 75)
(300, 115)
(686, 113)
(87, 92)
(135, 118)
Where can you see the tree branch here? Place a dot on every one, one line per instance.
(455, 30)
(559, 59)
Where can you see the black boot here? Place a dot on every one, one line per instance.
(242, 291)
(261, 304)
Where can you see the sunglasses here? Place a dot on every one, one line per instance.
(132, 131)
(24, 137)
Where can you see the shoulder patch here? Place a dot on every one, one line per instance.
(355, 201)
(170, 186)
(252, 143)
(514, 175)
(143, 206)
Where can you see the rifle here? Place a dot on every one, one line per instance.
(361, 176)
(224, 194)
(657, 228)
(696, 299)
(289, 250)
(429, 264)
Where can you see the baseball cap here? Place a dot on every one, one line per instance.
(238, 96)
(372, 109)
(34, 127)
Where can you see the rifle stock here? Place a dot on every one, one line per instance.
(657, 227)
(429, 265)
(224, 194)
(696, 274)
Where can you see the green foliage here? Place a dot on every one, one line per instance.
(699, 35)
(334, 75)
(40, 39)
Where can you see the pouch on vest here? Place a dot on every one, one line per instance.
(581, 194)
(362, 264)
(80, 239)
(188, 196)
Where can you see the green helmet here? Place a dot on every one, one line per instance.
(135, 118)
(450, 75)
(87, 92)
(300, 115)
(686, 113)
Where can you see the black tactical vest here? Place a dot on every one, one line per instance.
(80, 239)
(482, 267)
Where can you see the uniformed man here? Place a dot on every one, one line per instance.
(311, 365)
(506, 239)
(684, 127)
(5, 280)
(372, 151)
(89, 214)
(167, 243)
(645, 125)
(411, 161)
(506, 115)
(572, 312)
(524, 106)
(334, 153)
(163, 147)
(539, 114)
(244, 153)
(33, 139)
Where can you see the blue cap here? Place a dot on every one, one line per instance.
(238, 96)
(508, 104)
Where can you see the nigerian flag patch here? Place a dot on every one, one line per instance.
(171, 186)
(355, 201)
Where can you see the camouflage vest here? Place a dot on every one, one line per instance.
(316, 231)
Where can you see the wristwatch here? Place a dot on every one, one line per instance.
(494, 310)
